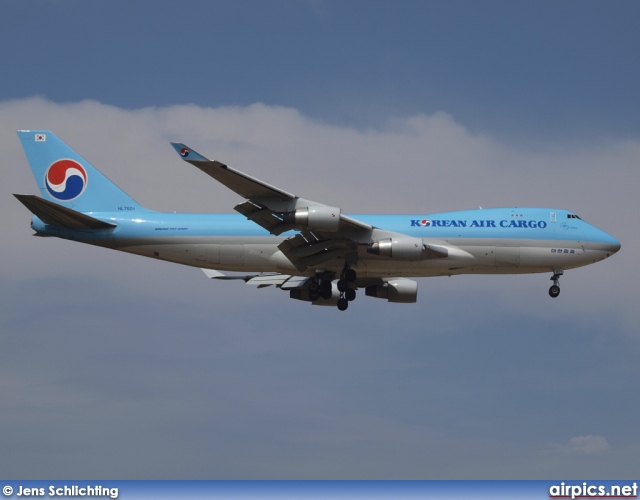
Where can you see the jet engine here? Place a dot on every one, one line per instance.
(395, 290)
(303, 294)
(401, 248)
(321, 218)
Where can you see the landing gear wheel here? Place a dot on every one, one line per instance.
(350, 275)
(554, 291)
(326, 291)
(314, 286)
(347, 293)
(314, 289)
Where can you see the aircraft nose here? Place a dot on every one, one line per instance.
(612, 244)
(615, 246)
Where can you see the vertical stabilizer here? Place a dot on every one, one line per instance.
(66, 178)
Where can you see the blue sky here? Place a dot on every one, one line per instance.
(551, 67)
(114, 366)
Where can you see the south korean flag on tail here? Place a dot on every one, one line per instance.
(41, 137)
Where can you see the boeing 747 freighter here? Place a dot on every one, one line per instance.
(311, 250)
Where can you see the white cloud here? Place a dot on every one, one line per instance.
(584, 445)
(589, 444)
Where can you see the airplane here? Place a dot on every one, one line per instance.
(311, 250)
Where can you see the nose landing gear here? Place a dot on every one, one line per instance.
(554, 291)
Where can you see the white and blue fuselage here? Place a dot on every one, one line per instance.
(487, 241)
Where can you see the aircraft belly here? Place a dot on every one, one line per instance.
(232, 257)
(507, 257)
(519, 257)
(465, 256)
(227, 254)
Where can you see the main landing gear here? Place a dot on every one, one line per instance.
(320, 288)
(347, 294)
(554, 291)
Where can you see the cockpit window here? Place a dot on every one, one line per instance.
(572, 216)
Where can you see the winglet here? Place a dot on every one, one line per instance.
(187, 153)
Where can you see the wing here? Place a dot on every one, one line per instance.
(324, 232)
(284, 281)
(393, 289)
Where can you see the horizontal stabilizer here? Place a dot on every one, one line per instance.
(57, 215)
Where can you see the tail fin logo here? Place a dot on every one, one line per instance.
(184, 152)
(65, 180)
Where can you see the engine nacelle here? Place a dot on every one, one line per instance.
(401, 248)
(400, 290)
(314, 218)
(303, 294)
